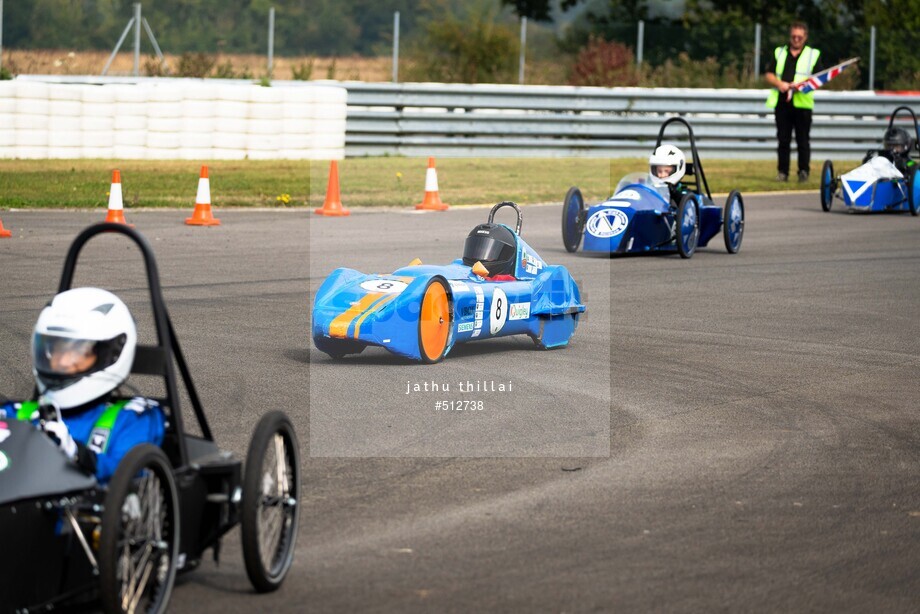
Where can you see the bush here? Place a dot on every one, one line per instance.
(472, 48)
(195, 65)
(605, 64)
(5, 74)
(153, 67)
(225, 71)
(303, 71)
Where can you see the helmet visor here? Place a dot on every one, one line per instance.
(61, 360)
(661, 172)
(486, 249)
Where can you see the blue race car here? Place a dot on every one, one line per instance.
(888, 179)
(655, 213)
(500, 287)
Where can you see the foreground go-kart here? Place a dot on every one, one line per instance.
(421, 311)
(878, 184)
(641, 217)
(65, 539)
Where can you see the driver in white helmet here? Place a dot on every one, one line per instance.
(83, 347)
(667, 166)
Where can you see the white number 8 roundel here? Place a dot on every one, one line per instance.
(498, 313)
(388, 286)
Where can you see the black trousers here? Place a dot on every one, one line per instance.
(789, 118)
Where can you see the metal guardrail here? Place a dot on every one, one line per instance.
(452, 120)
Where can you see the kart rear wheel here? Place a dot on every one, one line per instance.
(573, 219)
(139, 540)
(827, 185)
(733, 222)
(435, 321)
(913, 191)
(271, 509)
(688, 226)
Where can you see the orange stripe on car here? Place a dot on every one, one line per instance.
(339, 326)
(374, 309)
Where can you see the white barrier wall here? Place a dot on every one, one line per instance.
(185, 121)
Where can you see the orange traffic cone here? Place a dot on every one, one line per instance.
(4, 233)
(116, 214)
(432, 201)
(333, 203)
(202, 215)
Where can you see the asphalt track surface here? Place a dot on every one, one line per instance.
(762, 450)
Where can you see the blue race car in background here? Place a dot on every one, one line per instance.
(644, 216)
(500, 287)
(888, 179)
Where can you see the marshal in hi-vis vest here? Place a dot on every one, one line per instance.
(804, 67)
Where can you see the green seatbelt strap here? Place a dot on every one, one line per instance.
(26, 410)
(99, 436)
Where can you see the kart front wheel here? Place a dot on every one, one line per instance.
(913, 191)
(733, 222)
(827, 185)
(573, 219)
(271, 508)
(139, 536)
(688, 226)
(434, 322)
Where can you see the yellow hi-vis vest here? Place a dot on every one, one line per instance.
(804, 67)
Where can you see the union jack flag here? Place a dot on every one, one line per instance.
(818, 79)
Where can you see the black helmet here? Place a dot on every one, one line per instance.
(494, 246)
(897, 140)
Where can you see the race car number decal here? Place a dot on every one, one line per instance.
(628, 195)
(4, 461)
(387, 286)
(607, 223)
(499, 312)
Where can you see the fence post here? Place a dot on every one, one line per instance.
(872, 58)
(271, 40)
(396, 47)
(756, 51)
(137, 38)
(523, 47)
(1, 33)
(640, 42)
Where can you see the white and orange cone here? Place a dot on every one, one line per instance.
(432, 200)
(202, 215)
(4, 233)
(116, 213)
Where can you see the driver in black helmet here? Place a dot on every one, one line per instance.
(495, 247)
(896, 145)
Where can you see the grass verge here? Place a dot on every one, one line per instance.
(385, 181)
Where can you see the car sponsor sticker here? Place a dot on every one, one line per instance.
(628, 195)
(498, 313)
(4, 432)
(458, 285)
(607, 223)
(464, 327)
(519, 311)
(4, 461)
(479, 308)
(387, 286)
(531, 263)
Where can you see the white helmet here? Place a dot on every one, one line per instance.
(667, 164)
(82, 347)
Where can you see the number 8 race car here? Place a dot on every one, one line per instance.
(500, 287)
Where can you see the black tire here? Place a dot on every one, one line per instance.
(913, 191)
(435, 321)
(142, 484)
(828, 186)
(273, 452)
(733, 226)
(573, 219)
(687, 226)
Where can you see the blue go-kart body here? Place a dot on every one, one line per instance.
(877, 185)
(421, 311)
(642, 217)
